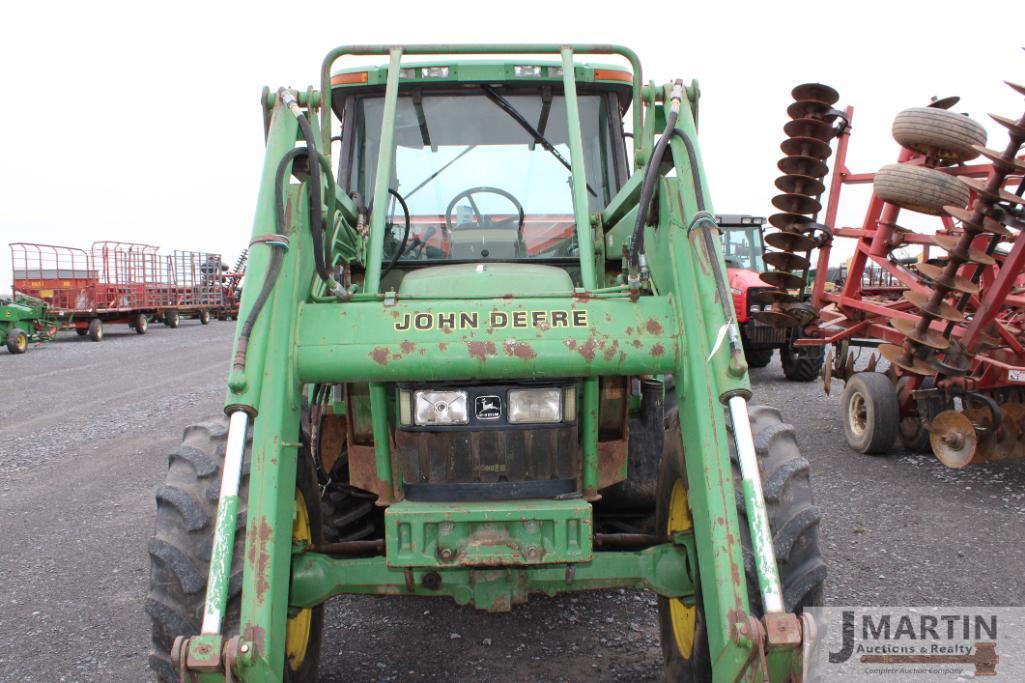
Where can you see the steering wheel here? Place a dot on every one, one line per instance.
(480, 217)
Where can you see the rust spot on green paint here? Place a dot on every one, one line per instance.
(637, 343)
(260, 556)
(442, 346)
(408, 347)
(610, 352)
(481, 349)
(520, 349)
(629, 331)
(657, 350)
(380, 355)
(653, 326)
(587, 349)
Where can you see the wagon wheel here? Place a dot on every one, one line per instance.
(140, 324)
(95, 330)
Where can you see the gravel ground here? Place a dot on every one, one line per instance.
(84, 433)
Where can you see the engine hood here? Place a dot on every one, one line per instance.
(486, 280)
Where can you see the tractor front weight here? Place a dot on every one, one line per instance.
(363, 346)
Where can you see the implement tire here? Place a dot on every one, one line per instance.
(793, 519)
(801, 364)
(870, 412)
(915, 188)
(938, 133)
(182, 540)
(95, 330)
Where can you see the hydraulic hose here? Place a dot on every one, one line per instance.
(278, 243)
(650, 178)
(400, 250)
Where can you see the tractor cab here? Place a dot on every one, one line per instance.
(481, 168)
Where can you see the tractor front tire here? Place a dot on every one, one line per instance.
(801, 364)
(758, 358)
(17, 341)
(871, 413)
(793, 519)
(96, 330)
(182, 540)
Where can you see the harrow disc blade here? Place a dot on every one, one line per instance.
(815, 91)
(1000, 195)
(775, 319)
(949, 244)
(806, 147)
(783, 260)
(988, 224)
(999, 160)
(944, 102)
(781, 279)
(790, 241)
(800, 184)
(931, 338)
(944, 310)
(789, 222)
(956, 283)
(796, 203)
(953, 439)
(1012, 126)
(810, 109)
(774, 296)
(809, 128)
(802, 165)
(897, 356)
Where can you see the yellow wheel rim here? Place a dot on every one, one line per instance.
(22, 342)
(681, 616)
(297, 631)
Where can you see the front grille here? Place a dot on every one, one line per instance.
(488, 459)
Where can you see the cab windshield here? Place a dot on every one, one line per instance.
(742, 248)
(484, 174)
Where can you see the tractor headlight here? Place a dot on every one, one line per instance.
(535, 405)
(440, 408)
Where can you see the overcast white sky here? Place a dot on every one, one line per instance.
(140, 121)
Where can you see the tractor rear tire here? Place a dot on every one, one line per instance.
(939, 133)
(801, 364)
(793, 519)
(915, 188)
(96, 329)
(183, 537)
(871, 413)
(204, 317)
(17, 341)
(140, 324)
(758, 358)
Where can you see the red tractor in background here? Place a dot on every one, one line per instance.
(743, 248)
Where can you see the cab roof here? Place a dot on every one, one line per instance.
(512, 71)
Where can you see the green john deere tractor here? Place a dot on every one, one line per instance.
(487, 351)
(25, 319)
